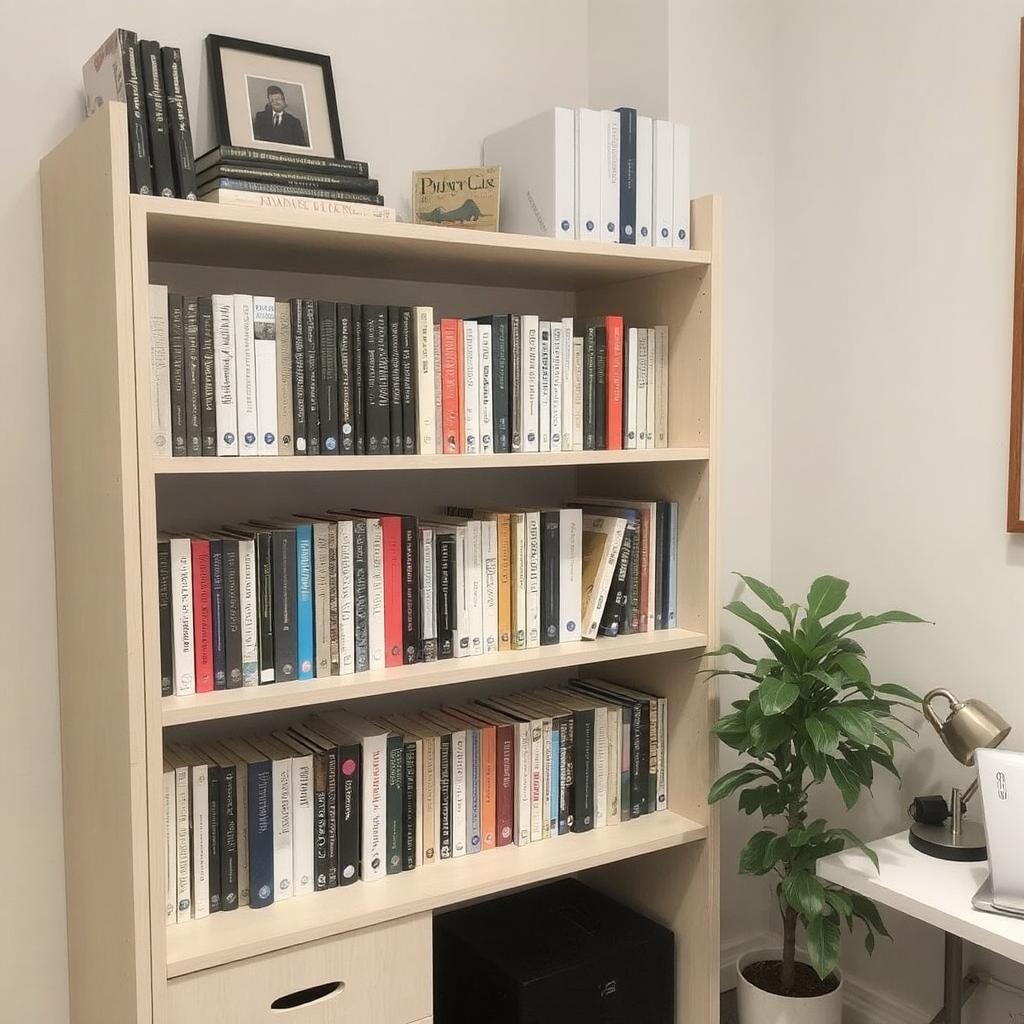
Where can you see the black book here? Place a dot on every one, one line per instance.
(312, 355)
(661, 575)
(163, 577)
(409, 769)
(332, 817)
(600, 388)
(627, 175)
(283, 568)
(156, 118)
(568, 780)
(265, 603)
(407, 357)
(140, 172)
(395, 795)
(176, 345)
(212, 184)
(378, 390)
(290, 176)
(631, 621)
(565, 755)
(590, 386)
(515, 382)
(410, 591)
(227, 828)
(213, 846)
(445, 794)
(207, 378)
(193, 398)
(583, 770)
(550, 561)
(261, 833)
(349, 821)
(500, 381)
(395, 379)
(327, 377)
(232, 615)
(639, 722)
(618, 594)
(360, 595)
(346, 390)
(180, 129)
(271, 158)
(445, 590)
(298, 378)
(358, 382)
(220, 678)
(321, 748)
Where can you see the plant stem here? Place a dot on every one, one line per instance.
(788, 978)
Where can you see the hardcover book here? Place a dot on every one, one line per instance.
(466, 197)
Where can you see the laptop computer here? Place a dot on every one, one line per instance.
(1001, 779)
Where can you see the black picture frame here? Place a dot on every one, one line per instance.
(214, 45)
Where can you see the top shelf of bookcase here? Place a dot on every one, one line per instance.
(293, 240)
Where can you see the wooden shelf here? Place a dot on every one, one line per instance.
(205, 707)
(231, 236)
(168, 466)
(226, 937)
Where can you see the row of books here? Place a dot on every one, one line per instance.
(343, 798)
(148, 78)
(599, 175)
(339, 593)
(254, 375)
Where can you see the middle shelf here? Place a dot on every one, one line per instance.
(253, 700)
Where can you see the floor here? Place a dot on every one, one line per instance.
(729, 1008)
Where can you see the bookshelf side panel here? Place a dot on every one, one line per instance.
(96, 538)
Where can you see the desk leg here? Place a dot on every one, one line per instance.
(956, 988)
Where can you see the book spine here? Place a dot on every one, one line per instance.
(346, 388)
(179, 129)
(618, 592)
(320, 770)
(264, 613)
(375, 779)
(445, 544)
(500, 384)
(228, 824)
(672, 569)
(156, 118)
(610, 213)
(232, 615)
(544, 388)
(557, 401)
(613, 758)
(359, 372)
(601, 389)
(430, 795)
(411, 648)
(159, 369)
(407, 378)
(517, 545)
(193, 396)
(644, 181)
(327, 377)
(426, 424)
(164, 601)
(515, 382)
(488, 787)
(410, 806)
(680, 186)
(271, 158)
(200, 804)
(485, 369)
(613, 390)
(474, 570)
(305, 636)
(248, 588)
(590, 393)
(302, 802)
(438, 417)
(394, 353)
(375, 594)
(344, 594)
(522, 788)
(661, 787)
(279, 188)
(583, 771)
(170, 849)
(505, 782)
(627, 175)
(661, 386)
(570, 568)
(642, 385)
(635, 589)
(651, 386)
(264, 329)
(427, 593)
(242, 830)
(568, 379)
(461, 638)
(489, 574)
(629, 389)
(217, 614)
(245, 364)
(360, 597)
(178, 389)
(261, 834)
(349, 825)
(181, 617)
(140, 171)
(445, 798)
(183, 842)
(289, 176)
(459, 794)
(450, 385)
(531, 383)
(322, 599)
(298, 350)
(474, 827)
(578, 394)
(284, 605)
(394, 614)
(281, 785)
(550, 576)
(311, 350)
(332, 818)
(378, 390)
(207, 378)
(537, 787)
(533, 579)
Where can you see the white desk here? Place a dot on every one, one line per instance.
(937, 892)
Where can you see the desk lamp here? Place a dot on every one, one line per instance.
(940, 830)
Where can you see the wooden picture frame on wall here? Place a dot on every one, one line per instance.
(1015, 504)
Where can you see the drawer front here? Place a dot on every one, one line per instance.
(379, 975)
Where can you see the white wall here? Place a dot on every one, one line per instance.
(896, 136)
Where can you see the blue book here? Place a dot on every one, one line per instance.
(556, 740)
(473, 830)
(627, 175)
(304, 600)
(220, 676)
(673, 563)
(259, 787)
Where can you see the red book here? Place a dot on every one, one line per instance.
(391, 531)
(451, 386)
(613, 414)
(505, 784)
(202, 615)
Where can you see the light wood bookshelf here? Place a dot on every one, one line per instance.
(102, 247)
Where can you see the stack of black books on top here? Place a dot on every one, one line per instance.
(232, 169)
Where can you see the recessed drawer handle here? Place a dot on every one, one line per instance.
(307, 996)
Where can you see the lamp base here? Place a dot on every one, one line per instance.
(938, 841)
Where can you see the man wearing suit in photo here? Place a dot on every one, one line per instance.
(275, 124)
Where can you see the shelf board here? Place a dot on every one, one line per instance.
(227, 937)
(293, 240)
(205, 707)
(165, 465)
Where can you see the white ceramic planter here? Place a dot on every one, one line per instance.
(759, 1007)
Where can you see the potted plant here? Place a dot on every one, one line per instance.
(813, 717)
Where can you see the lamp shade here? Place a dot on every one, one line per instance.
(968, 726)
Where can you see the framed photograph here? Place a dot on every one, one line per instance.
(271, 97)
(1015, 502)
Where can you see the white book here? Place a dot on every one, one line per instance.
(438, 446)
(533, 570)
(426, 424)
(681, 186)
(614, 763)
(663, 182)
(182, 625)
(651, 387)
(245, 375)
(471, 386)
(170, 846)
(546, 784)
(600, 766)
(570, 574)
(346, 597)
(588, 174)
(159, 370)
(661, 386)
(567, 384)
(644, 181)
(459, 795)
(600, 558)
(183, 840)
(629, 389)
(200, 807)
(375, 592)
(285, 415)
(531, 383)
(428, 596)
(538, 174)
(537, 780)
(474, 571)
(517, 530)
(281, 795)
(577, 394)
(662, 765)
(486, 403)
(462, 642)
(303, 813)
(544, 388)
(224, 365)
(521, 814)
(322, 593)
(249, 606)
(642, 385)
(610, 125)
(489, 552)
(264, 329)
(556, 385)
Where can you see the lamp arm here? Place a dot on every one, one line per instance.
(929, 712)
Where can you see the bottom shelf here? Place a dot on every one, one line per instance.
(226, 937)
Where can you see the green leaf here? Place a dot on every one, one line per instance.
(826, 596)
(841, 622)
(823, 945)
(889, 733)
(860, 761)
(770, 733)
(870, 621)
(753, 854)
(839, 901)
(814, 760)
(823, 734)
(803, 892)
(853, 840)
(759, 622)
(858, 725)
(732, 649)
(895, 690)
(750, 799)
(866, 910)
(777, 696)
(731, 781)
(869, 942)
(846, 779)
(767, 594)
(852, 666)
